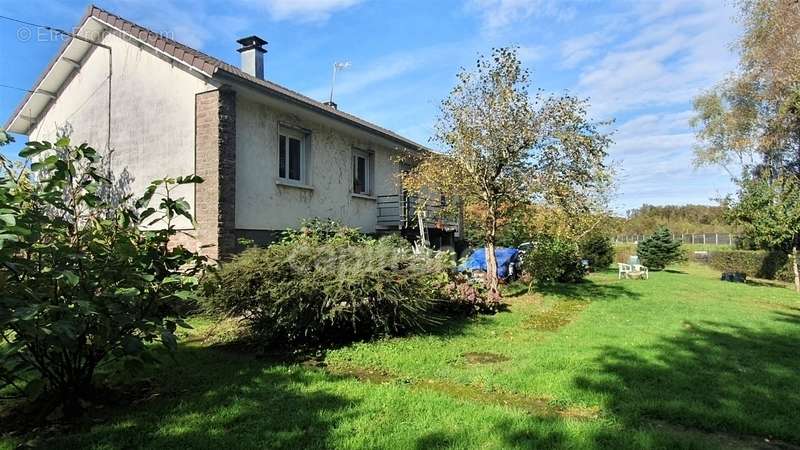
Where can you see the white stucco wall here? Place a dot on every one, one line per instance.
(261, 204)
(153, 101)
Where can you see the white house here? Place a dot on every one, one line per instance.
(270, 156)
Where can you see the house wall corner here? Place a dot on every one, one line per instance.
(215, 162)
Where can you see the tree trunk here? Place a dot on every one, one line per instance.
(796, 271)
(492, 281)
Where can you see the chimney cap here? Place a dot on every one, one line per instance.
(251, 42)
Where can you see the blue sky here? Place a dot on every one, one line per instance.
(639, 62)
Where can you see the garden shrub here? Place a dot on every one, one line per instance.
(324, 285)
(81, 283)
(552, 259)
(659, 250)
(769, 265)
(467, 295)
(598, 250)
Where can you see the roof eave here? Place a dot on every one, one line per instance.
(17, 114)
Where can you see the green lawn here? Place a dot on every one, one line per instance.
(680, 360)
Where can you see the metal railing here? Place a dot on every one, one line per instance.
(400, 211)
(686, 238)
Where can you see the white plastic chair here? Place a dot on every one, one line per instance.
(635, 270)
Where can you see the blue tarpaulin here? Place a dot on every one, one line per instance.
(505, 257)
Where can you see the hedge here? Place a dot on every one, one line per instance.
(770, 265)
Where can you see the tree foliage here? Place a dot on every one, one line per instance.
(753, 119)
(81, 283)
(678, 218)
(768, 210)
(659, 249)
(552, 259)
(506, 147)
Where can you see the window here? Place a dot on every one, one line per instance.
(291, 156)
(362, 173)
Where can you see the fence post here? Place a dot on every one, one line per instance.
(716, 238)
(704, 239)
(692, 238)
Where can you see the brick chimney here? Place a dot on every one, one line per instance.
(252, 50)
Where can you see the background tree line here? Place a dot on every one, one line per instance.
(679, 219)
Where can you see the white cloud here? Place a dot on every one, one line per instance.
(304, 10)
(658, 60)
(578, 49)
(187, 22)
(195, 23)
(531, 53)
(497, 14)
(363, 74)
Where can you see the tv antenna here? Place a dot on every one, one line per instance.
(337, 67)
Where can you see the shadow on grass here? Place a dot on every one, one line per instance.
(588, 290)
(584, 290)
(734, 383)
(675, 271)
(512, 435)
(211, 398)
(766, 283)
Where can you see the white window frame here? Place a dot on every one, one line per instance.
(289, 133)
(368, 171)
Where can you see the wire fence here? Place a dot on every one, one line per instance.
(687, 238)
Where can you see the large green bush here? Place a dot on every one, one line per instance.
(769, 265)
(659, 250)
(552, 259)
(598, 250)
(81, 283)
(316, 286)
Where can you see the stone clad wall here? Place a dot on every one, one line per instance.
(215, 141)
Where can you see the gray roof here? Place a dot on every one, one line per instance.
(218, 68)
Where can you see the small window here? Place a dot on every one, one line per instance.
(362, 173)
(291, 156)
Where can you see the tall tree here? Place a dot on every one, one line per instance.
(752, 119)
(768, 210)
(505, 147)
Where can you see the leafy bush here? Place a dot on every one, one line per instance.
(395, 240)
(599, 250)
(552, 259)
(469, 296)
(769, 265)
(80, 282)
(659, 250)
(330, 286)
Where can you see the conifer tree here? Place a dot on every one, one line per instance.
(659, 250)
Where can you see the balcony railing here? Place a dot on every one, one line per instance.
(400, 212)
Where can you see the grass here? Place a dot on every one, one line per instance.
(678, 361)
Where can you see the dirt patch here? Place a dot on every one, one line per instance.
(538, 406)
(484, 357)
(362, 374)
(562, 313)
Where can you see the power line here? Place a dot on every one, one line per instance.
(16, 88)
(25, 23)
(54, 29)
